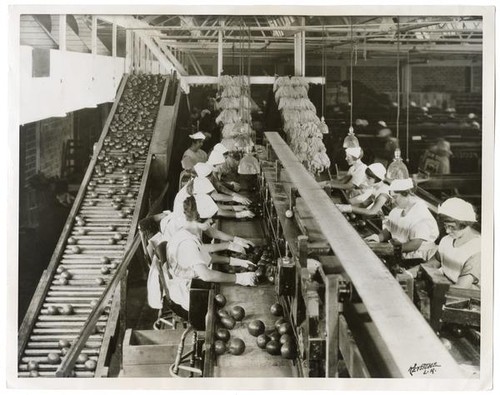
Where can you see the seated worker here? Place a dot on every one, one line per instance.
(202, 185)
(459, 252)
(436, 160)
(194, 154)
(374, 197)
(355, 177)
(217, 160)
(410, 224)
(188, 259)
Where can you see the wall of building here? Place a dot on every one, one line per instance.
(74, 81)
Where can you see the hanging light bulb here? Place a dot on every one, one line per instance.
(351, 141)
(397, 170)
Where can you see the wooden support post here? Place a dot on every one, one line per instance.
(302, 247)
(332, 310)
(94, 35)
(220, 54)
(113, 40)
(62, 32)
(128, 50)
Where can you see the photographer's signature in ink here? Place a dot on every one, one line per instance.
(424, 368)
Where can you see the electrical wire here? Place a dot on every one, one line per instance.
(398, 82)
(323, 72)
(408, 86)
(352, 54)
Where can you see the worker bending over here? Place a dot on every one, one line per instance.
(410, 225)
(374, 197)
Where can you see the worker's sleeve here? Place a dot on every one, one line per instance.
(189, 255)
(473, 267)
(187, 162)
(424, 230)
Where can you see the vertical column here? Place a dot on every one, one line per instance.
(128, 50)
(94, 35)
(220, 55)
(113, 40)
(62, 32)
(299, 51)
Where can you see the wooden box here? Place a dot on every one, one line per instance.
(150, 353)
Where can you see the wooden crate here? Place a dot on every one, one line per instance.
(150, 353)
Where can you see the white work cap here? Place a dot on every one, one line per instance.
(378, 169)
(471, 115)
(216, 158)
(401, 185)
(382, 123)
(202, 185)
(354, 152)
(203, 169)
(198, 136)
(457, 209)
(221, 148)
(205, 206)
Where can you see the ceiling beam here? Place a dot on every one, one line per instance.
(163, 55)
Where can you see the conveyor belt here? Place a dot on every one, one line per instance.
(96, 236)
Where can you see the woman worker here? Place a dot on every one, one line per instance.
(355, 177)
(410, 224)
(374, 197)
(188, 259)
(459, 252)
(194, 154)
(217, 159)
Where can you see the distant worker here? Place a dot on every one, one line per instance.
(436, 160)
(410, 225)
(385, 145)
(194, 154)
(459, 252)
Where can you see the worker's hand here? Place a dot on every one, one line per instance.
(344, 208)
(246, 279)
(240, 262)
(373, 238)
(235, 247)
(235, 186)
(243, 242)
(245, 214)
(241, 199)
(237, 207)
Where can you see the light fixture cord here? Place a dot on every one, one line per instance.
(398, 82)
(408, 81)
(323, 72)
(352, 53)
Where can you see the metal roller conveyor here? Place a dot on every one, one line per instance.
(97, 234)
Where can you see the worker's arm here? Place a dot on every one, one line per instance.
(409, 246)
(374, 209)
(214, 276)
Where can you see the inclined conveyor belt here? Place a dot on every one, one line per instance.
(97, 234)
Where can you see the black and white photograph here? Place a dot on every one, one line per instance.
(214, 196)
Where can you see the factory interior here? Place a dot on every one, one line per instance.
(323, 174)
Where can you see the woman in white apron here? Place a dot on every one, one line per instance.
(459, 252)
(410, 225)
(188, 258)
